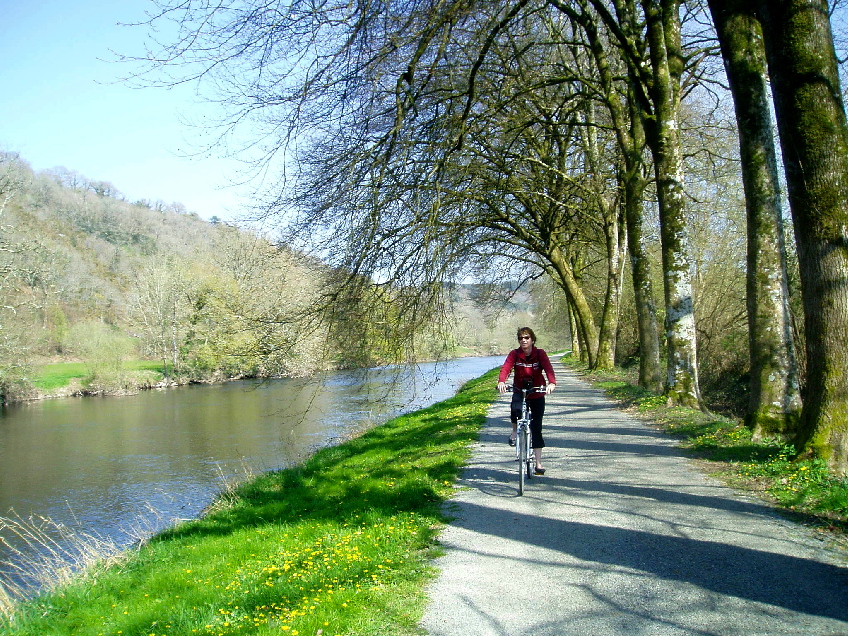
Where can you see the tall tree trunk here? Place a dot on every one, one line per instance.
(630, 133)
(563, 272)
(663, 135)
(775, 403)
(634, 182)
(814, 138)
(615, 237)
(576, 349)
(613, 233)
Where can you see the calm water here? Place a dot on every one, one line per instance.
(112, 466)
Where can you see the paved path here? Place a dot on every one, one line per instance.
(623, 535)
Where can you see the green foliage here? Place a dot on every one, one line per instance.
(339, 544)
(105, 350)
(57, 323)
(14, 384)
(801, 484)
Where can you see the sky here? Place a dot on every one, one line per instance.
(62, 105)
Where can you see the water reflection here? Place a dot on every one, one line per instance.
(110, 465)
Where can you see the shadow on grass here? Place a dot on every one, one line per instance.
(728, 446)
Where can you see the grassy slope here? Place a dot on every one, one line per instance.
(56, 375)
(340, 544)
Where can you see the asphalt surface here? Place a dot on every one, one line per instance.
(622, 535)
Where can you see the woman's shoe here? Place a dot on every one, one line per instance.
(512, 441)
(540, 471)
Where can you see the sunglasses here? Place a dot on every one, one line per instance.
(525, 337)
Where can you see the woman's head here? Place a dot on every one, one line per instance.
(526, 331)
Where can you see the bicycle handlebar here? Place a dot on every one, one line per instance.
(536, 389)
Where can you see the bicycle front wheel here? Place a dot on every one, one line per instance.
(523, 455)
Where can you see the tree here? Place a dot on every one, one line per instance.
(159, 308)
(658, 81)
(531, 185)
(375, 84)
(775, 401)
(250, 310)
(813, 131)
(389, 91)
(26, 274)
(627, 120)
(105, 350)
(12, 178)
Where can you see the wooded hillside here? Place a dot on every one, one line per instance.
(88, 275)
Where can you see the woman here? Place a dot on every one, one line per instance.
(533, 366)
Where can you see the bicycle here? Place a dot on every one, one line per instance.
(523, 441)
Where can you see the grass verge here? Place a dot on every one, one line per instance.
(57, 375)
(804, 488)
(338, 545)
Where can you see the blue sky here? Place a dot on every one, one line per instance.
(60, 106)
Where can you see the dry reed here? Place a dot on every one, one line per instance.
(38, 553)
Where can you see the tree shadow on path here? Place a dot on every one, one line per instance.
(797, 584)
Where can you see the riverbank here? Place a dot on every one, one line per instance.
(340, 544)
(63, 379)
(344, 543)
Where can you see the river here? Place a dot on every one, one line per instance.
(120, 468)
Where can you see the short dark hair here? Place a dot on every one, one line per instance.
(526, 330)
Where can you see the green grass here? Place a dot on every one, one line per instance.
(57, 375)
(340, 544)
(802, 486)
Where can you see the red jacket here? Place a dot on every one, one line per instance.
(528, 367)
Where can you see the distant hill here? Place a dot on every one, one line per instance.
(92, 276)
(82, 267)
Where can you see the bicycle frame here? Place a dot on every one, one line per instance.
(524, 441)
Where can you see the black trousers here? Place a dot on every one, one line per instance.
(537, 411)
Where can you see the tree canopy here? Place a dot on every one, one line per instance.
(416, 144)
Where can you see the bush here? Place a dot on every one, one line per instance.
(105, 351)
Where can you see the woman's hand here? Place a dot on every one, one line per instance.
(501, 387)
(550, 388)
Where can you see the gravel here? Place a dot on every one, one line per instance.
(622, 535)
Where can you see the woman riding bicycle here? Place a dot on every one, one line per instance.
(531, 367)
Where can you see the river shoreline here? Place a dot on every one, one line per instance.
(75, 389)
(96, 467)
(372, 536)
(134, 383)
